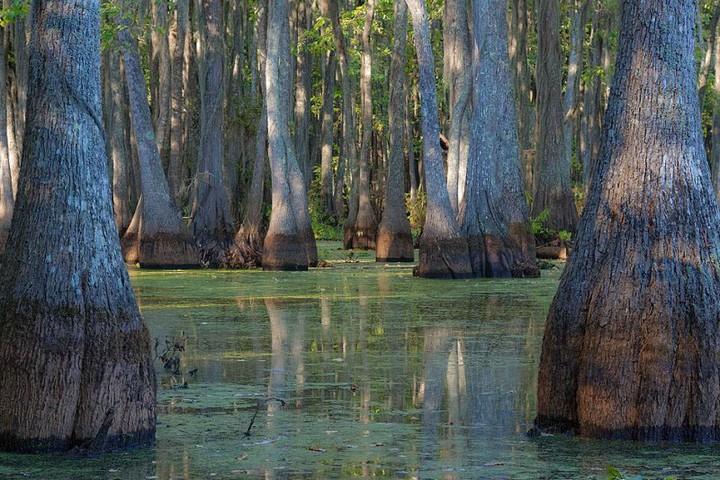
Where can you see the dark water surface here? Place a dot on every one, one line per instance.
(355, 370)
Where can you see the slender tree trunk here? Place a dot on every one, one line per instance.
(363, 232)
(7, 201)
(118, 144)
(443, 251)
(303, 87)
(211, 220)
(413, 170)
(177, 114)
(394, 241)
(327, 181)
(157, 236)
(630, 347)
(552, 189)
(161, 58)
(288, 244)
(77, 354)
(708, 65)
(494, 213)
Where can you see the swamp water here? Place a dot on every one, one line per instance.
(355, 370)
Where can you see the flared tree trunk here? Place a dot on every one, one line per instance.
(632, 341)
(443, 250)
(494, 214)
(394, 239)
(78, 369)
(157, 236)
(362, 232)
(552, 189)
(289, 244)
(211, 220)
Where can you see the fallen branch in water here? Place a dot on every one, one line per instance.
(261, 401)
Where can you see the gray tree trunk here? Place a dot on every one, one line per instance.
(552, 189)
(362, 232)
(303, 87)
(288, 244)
(157, 236)
(630, 347)
(177, 112)
(118, 144)
(77, 354)
(394, 239)
(443, 250)
(211, 220)
(327, 180)
(494, 213)
(161, 60)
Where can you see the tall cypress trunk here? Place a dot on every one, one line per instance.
(161, 60)
(631, 342)
(494, 213)
(157, 236)
(289, 244)
(362, 232)
(552, 189)
(327, 180)
(443, 250)
(211, 220)
(394, 240)
(303, 87)
(177, 113)
(78, 369)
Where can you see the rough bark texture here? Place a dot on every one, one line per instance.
(363, 231)
(443, 251)
(76, 354)
(211, 220)
(494, 213)
(552, 189)
(6, 187)
(632, 342)
(394, 239)
(157, 236)
(289, 244)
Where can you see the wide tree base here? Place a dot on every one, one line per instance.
(444, 258)
(360, 238)
(394, 246)
(500, 257)
(162, 250)
(284, 253)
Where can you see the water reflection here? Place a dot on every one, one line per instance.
(382, 375)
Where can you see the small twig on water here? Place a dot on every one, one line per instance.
(261, 401)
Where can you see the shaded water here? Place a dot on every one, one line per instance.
(355, 370)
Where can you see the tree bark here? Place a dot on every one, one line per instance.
(443, 250)
(78, 369)
(7, 201)
(362, 232)
(289, 243)
(177, 113)
(303, 87)
(211, 220)
(552, 189)
(394, 239)
(631, 342)
(327, 180)
(161, 60)
(494, 213)
(157, 236)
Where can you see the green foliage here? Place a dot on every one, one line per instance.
(17, 9)
(416, 212)
(539, 228)
(615, 474)
(325, 227)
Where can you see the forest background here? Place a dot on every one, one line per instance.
(201, 62)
